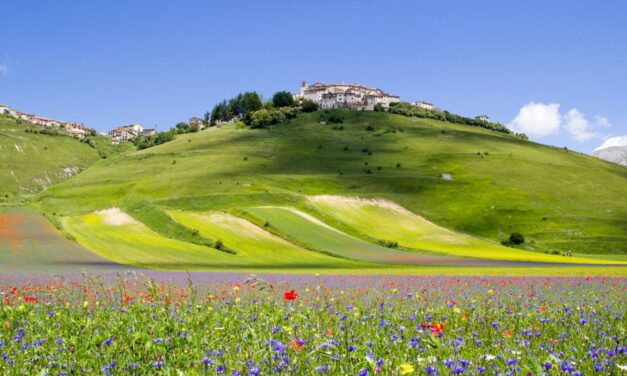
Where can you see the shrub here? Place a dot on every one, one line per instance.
(309, 106)
(516, 238)
(388, 243)
(336, 118)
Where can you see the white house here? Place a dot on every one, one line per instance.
(426, 106)
(482, 118)
(197, 122)
(5, 110)
(125, 133)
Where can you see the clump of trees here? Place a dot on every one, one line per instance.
(145, 142)
(249, 108)
(515, 238)
(407, 109)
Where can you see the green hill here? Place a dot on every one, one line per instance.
(31, 162)
(463, 190)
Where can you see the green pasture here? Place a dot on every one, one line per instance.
(385, 220)
(255, 244)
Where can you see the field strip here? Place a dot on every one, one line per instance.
(386, 220)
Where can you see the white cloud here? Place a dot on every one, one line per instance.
(537, 119)
(613, 141)
(3, 69)
(578, 126)
(602, 122)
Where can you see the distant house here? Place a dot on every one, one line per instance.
(482, 118)
(44, 122)
(197, 122)
(4, 109)
(125, 133)
(148, 132)
(426, 106)
(76, 130)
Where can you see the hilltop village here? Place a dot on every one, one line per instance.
(323, 96)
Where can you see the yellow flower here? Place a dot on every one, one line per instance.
(85, 303)
(21, 307)
(406, 368)
(236, 288)
(237, 300)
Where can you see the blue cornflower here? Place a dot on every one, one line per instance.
(254, 372)
(363, 372)
(108, 342)
(511, 362)
(158, 364)
(352, 348)
(480, 369)
(322, 369)
(220, 369)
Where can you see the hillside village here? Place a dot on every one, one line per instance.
(73, 129)
(325, 96)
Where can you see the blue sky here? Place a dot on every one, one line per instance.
(557, 70)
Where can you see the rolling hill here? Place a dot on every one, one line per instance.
(31, 162)
(449, 190)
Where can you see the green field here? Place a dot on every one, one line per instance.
(385, 220)
(255, 244)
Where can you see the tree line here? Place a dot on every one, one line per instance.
(249, 108)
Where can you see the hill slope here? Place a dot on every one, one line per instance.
(30, 162)
(467, 179)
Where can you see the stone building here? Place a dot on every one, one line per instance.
(343, 95)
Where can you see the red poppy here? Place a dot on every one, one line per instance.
(436, 328)
(290, 295)
(30, 299)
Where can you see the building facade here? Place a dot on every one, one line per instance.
(343, 95)
(125, 133)
(426, 106)
(482, 118)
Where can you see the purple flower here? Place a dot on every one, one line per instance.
(322, 369)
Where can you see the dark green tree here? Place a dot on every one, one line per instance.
(282, 99)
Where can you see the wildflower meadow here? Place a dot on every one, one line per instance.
(342, 325)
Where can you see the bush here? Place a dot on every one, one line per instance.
(388, 243)
(309, 106)
(336, 118)
(516, 238)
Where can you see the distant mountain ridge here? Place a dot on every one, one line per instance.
(615, 154)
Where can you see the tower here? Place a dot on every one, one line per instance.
(303, 87)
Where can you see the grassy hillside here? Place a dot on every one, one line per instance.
(495, 183)
(31, 162)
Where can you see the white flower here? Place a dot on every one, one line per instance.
(624, 367)
(489, 357)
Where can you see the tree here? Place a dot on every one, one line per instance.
(516, 238)
(309, 106)
(282, 99)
